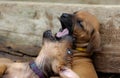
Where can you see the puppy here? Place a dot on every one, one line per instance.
(49, 62)
(3, 67)
(85, 29)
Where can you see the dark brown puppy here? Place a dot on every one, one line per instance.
(49, 62)
(85, 29)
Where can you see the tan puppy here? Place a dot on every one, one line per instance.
(50, 61)
(3, 67)
(85, 29)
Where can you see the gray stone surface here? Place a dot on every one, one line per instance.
(22, 25)
(106, 2)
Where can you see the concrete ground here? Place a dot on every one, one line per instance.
(105, 2)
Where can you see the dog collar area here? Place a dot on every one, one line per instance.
(36, 70)
(81, 49)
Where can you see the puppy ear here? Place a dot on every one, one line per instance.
(94, 43)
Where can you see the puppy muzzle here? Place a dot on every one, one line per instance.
(48, 35)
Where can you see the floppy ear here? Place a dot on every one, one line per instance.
(94, 43)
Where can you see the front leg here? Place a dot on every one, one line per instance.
(67, 73)
(2, 70)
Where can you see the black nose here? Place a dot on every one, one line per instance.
(47, 33)
(65, 15)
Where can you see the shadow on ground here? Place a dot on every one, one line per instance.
(108, 75)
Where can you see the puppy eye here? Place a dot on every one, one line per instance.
(69, 52)
(80, 24)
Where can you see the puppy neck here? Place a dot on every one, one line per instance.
(82, 45)
(43, 62)
(81, 48)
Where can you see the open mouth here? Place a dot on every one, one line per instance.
(66, 22)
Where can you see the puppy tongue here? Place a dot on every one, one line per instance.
(62, 33)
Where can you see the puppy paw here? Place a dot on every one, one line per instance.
(68, 73)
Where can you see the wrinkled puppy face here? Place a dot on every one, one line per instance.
(83, 26)
(57, 50)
